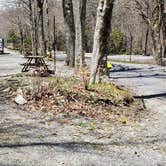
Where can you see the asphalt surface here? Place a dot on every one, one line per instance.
(146, 81)
(10, 64)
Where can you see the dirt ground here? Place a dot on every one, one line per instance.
(43, 139)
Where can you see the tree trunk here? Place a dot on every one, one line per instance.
(48, 44)
(146, 41)
(40, 24)
(147, 33)
(33, 19)
(164, 39)
(131, 44)
(101, 38)
(70, 31)
(21, 40)
(163, 12)
(21, 34)
(157, 47)
(20, 29)
(157, 32)
(80, 19)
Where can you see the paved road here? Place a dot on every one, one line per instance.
(10, 64)
(146, 81)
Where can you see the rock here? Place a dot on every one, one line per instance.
(19, 99)
(7, 90)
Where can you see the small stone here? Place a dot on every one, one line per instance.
(7, 90)
(20, 100)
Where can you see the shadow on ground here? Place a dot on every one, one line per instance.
(77, 146)
(5, 53)
(136, 71)
(163, 95)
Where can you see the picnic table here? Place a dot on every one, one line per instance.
(34, 61)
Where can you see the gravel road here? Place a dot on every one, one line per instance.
(40, 139)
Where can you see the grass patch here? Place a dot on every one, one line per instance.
(68, 96)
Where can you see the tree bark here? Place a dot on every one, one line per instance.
(20, 28)
(155, 19)
(21, 40)
(41, 36)
(157, 31)
(146, 41)
(48, 44)
(163, 12)
(80, 21)
(70, 31)
(33, 20)
(131, 45)
(21, 33)
(147, 33)
(101, 38)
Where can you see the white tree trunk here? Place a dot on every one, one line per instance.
(101, 38)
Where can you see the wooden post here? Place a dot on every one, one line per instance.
(54, 44)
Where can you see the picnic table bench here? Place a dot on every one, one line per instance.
(34, 61)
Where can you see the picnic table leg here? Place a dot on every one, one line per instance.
(25, 68)
(44, 64)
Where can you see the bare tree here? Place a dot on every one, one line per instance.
(156, 23)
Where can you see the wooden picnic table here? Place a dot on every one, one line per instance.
(34, 61)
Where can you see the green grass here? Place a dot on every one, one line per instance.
(112, 91)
